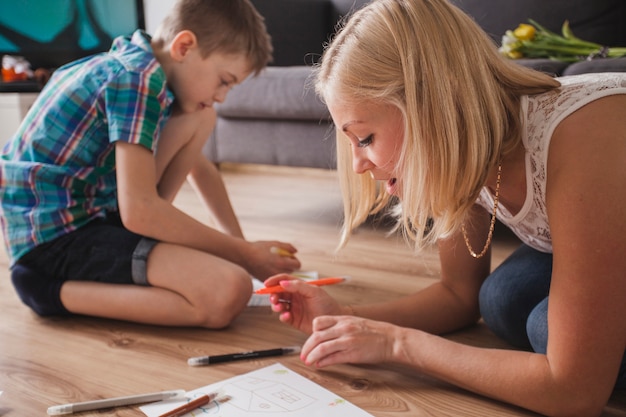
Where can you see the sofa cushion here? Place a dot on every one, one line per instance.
(597, 65)
(282, 93)
(601, 21)
(288, 143)
(549, 66)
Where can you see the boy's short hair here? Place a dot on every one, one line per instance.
(227, 26)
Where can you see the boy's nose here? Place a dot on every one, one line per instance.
(220, 96)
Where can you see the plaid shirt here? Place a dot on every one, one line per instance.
(58, 171)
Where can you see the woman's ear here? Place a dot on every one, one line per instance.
(182, 43)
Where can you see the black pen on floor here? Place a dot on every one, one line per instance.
(210, 360)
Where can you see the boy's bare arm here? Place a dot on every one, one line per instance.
(145, 212)
(205, 178)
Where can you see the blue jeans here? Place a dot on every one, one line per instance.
(514, 301)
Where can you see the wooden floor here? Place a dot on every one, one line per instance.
(50, 361)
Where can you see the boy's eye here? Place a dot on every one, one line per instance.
(366, 142)
(228, 83)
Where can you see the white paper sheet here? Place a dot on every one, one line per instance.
(258, 300)
(263, 300)
(268, 392)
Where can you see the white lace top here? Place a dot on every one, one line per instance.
(542, 113)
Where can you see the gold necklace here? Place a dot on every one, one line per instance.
(492, 225)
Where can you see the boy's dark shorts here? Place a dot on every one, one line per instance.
(101, 251)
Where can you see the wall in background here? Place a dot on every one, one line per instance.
(155, 11)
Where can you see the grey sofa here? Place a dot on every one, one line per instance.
(277, 119)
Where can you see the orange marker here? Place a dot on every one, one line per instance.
(318, 282)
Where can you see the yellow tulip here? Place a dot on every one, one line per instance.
(534, 41)
(515, 55)
(524, 32)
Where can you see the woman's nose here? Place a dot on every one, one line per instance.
(360, 162)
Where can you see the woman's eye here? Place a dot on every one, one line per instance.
(366, 142)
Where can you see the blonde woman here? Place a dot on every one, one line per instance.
(426, 110)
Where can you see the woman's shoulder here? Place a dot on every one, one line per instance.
(597, 123)
(544, 112)
(588, 146)
(577, 90)
(592, 81)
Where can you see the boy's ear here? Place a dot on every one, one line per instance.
(182, 43)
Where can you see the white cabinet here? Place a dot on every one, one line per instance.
(13, 108)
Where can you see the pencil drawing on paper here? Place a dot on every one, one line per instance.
(271, 391)
(251, 394)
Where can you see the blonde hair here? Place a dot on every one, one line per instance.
(459, 99)
(227, 26)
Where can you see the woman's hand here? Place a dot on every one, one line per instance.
(263, 261)
(300, 302)
(349, 339)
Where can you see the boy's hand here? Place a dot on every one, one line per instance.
(270, 258)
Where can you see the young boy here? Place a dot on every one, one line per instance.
(87, 182)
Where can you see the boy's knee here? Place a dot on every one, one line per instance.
(201, 123)
(38, 292)
(231, 301)
(238, 292)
